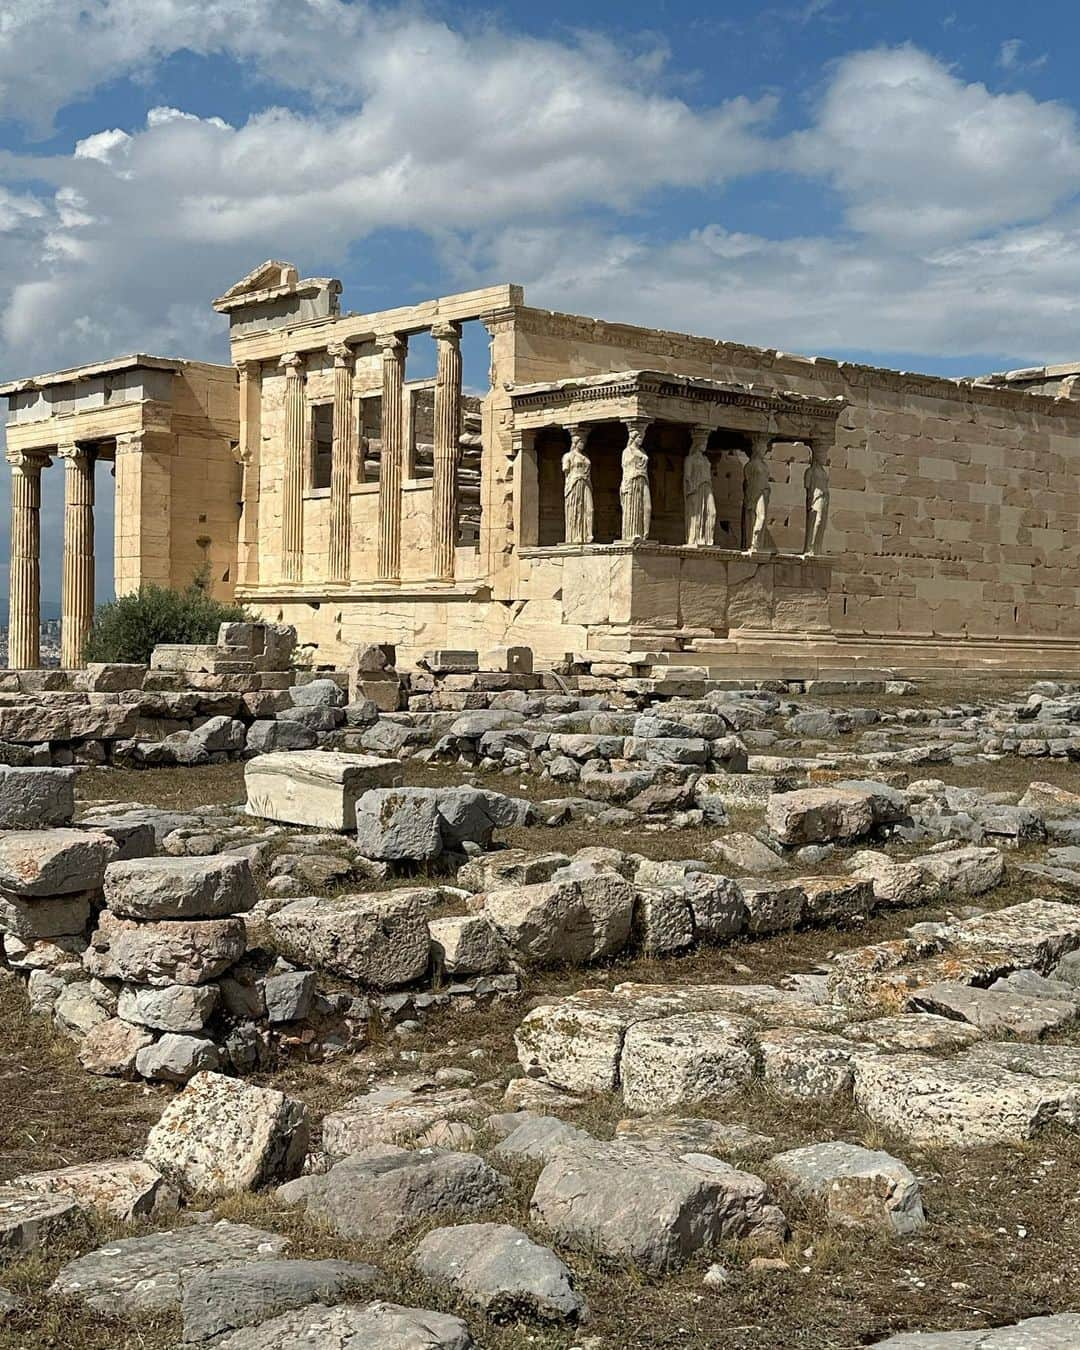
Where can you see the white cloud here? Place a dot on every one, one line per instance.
(919, 155)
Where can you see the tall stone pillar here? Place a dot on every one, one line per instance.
(292, 478)
(344, 449)
(393, 348)
(77, 594)
(248, 457)
(24, 579)
(444, 504)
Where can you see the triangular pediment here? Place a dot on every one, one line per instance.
(268, 275)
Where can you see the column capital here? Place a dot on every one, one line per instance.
(73, 450)
(247, 369)
(292, 363)
(129, 442)
(391, 342)
(342, 354)
(820, 447)
(636, 427)
(27, 461)
(445, 331)
(761, 442)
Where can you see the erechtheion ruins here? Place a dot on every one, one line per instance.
(617, 490)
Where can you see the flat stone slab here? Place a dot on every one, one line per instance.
(913, 1031)
(387, 1326)
(538, 1139)
(501, 1270)
(1061, 1332)
(126, 1188)
(222, 1135)
(315, 787)
(50, 863)
(687, 1059)
(860, 1187)
(394, 1114)
(30, 1218)
(226, 1298)
(180, 888)
(959, 1102)
(996, 1012)
(692, 1134)
(639, 1203)
(378, 1193)
(144, 1274)
(807, 1065)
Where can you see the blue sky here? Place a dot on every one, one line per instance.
(889, 182)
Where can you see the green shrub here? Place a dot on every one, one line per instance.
(129, 628)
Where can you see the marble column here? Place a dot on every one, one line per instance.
(393, 348)
(292, 479)
(344, 448)
(444, 505)
(77, 593)
(24, 579)
(248, 457)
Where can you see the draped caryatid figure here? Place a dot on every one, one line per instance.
(698, 496)
(634, 495)
(816, 484)
(757, 488)
(577, 490)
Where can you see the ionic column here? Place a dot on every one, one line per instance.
(77, 593)
(447, 438)
(292, 480)
(338, 562)
(24, 579)
(393, 348)
(248, 457)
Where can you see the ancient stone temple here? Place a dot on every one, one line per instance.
(616, 492)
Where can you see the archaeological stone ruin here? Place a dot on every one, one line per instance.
(617, 888)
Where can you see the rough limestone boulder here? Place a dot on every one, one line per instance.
(685, 1060)
(221, 1135)
(378, 1193)
(399, 825)
(469, 944)
(387, 1326)
(171, 951)
(216, 1301)
(859, 1187)
(800, 1063)
(175, 1007)
(639, 1203)
(180, 888)
(40, 863)
(819, 815)
(30, 1219)
(380, 939)
(145, 1274)
(572, 920)
(502, 1271)
(399, 1113)
(1059, 1332)
(36, 799)
(124, 1188)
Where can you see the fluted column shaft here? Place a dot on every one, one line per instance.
(248, 457)
(444, 505)
(24, 579)
(393, 348)
(77, 594)
(344, 448)
(292, 482)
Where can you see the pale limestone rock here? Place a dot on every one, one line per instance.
(896, 883)
(772, 906)
(51, 863)
(469, 944)
(555, 921)
(379, 939)
(387, 1326)
(819, 815)
(718, 905)
(639, 1203)
(36, 799)
(662, 920)
(747, 854)
(996, 1012)
(502, 1271)
(34, 920)
(30, 1219)
(125, 1188)
(807, 1065)
(398, 1113)
(686, 1060)
(176, 1007)
(221, 1135)
(1060, 1332)
(180, 888)
(315, 787)
(860, 1187)
(964, 871)
(913, 1031)
(692, 1134)
(950, 1102)
(175, 1058)
(188, 951)
(836, 899)
(112, 1047)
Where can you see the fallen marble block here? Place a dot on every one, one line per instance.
(315, 787)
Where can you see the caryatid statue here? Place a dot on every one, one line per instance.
(577, 490)
(634, 495)
(756, 489)
(698, 492)
(816, 483)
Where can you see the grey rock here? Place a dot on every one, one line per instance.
(379, 939)
(180, 888)
(538, 1139)
(31, 1219)
(318, 694)
(860, 1187)
(267, 735)
(573, 921)
(226, 1298)
(51, 863)
(996, 1012)
(399, 825)
(175, 1058)
(176, 1007)
(145, 1274)
(289, 996)
(36, 798)
(190, 951)
(502, 1271)
(1060, 1332)
(378, 1326)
